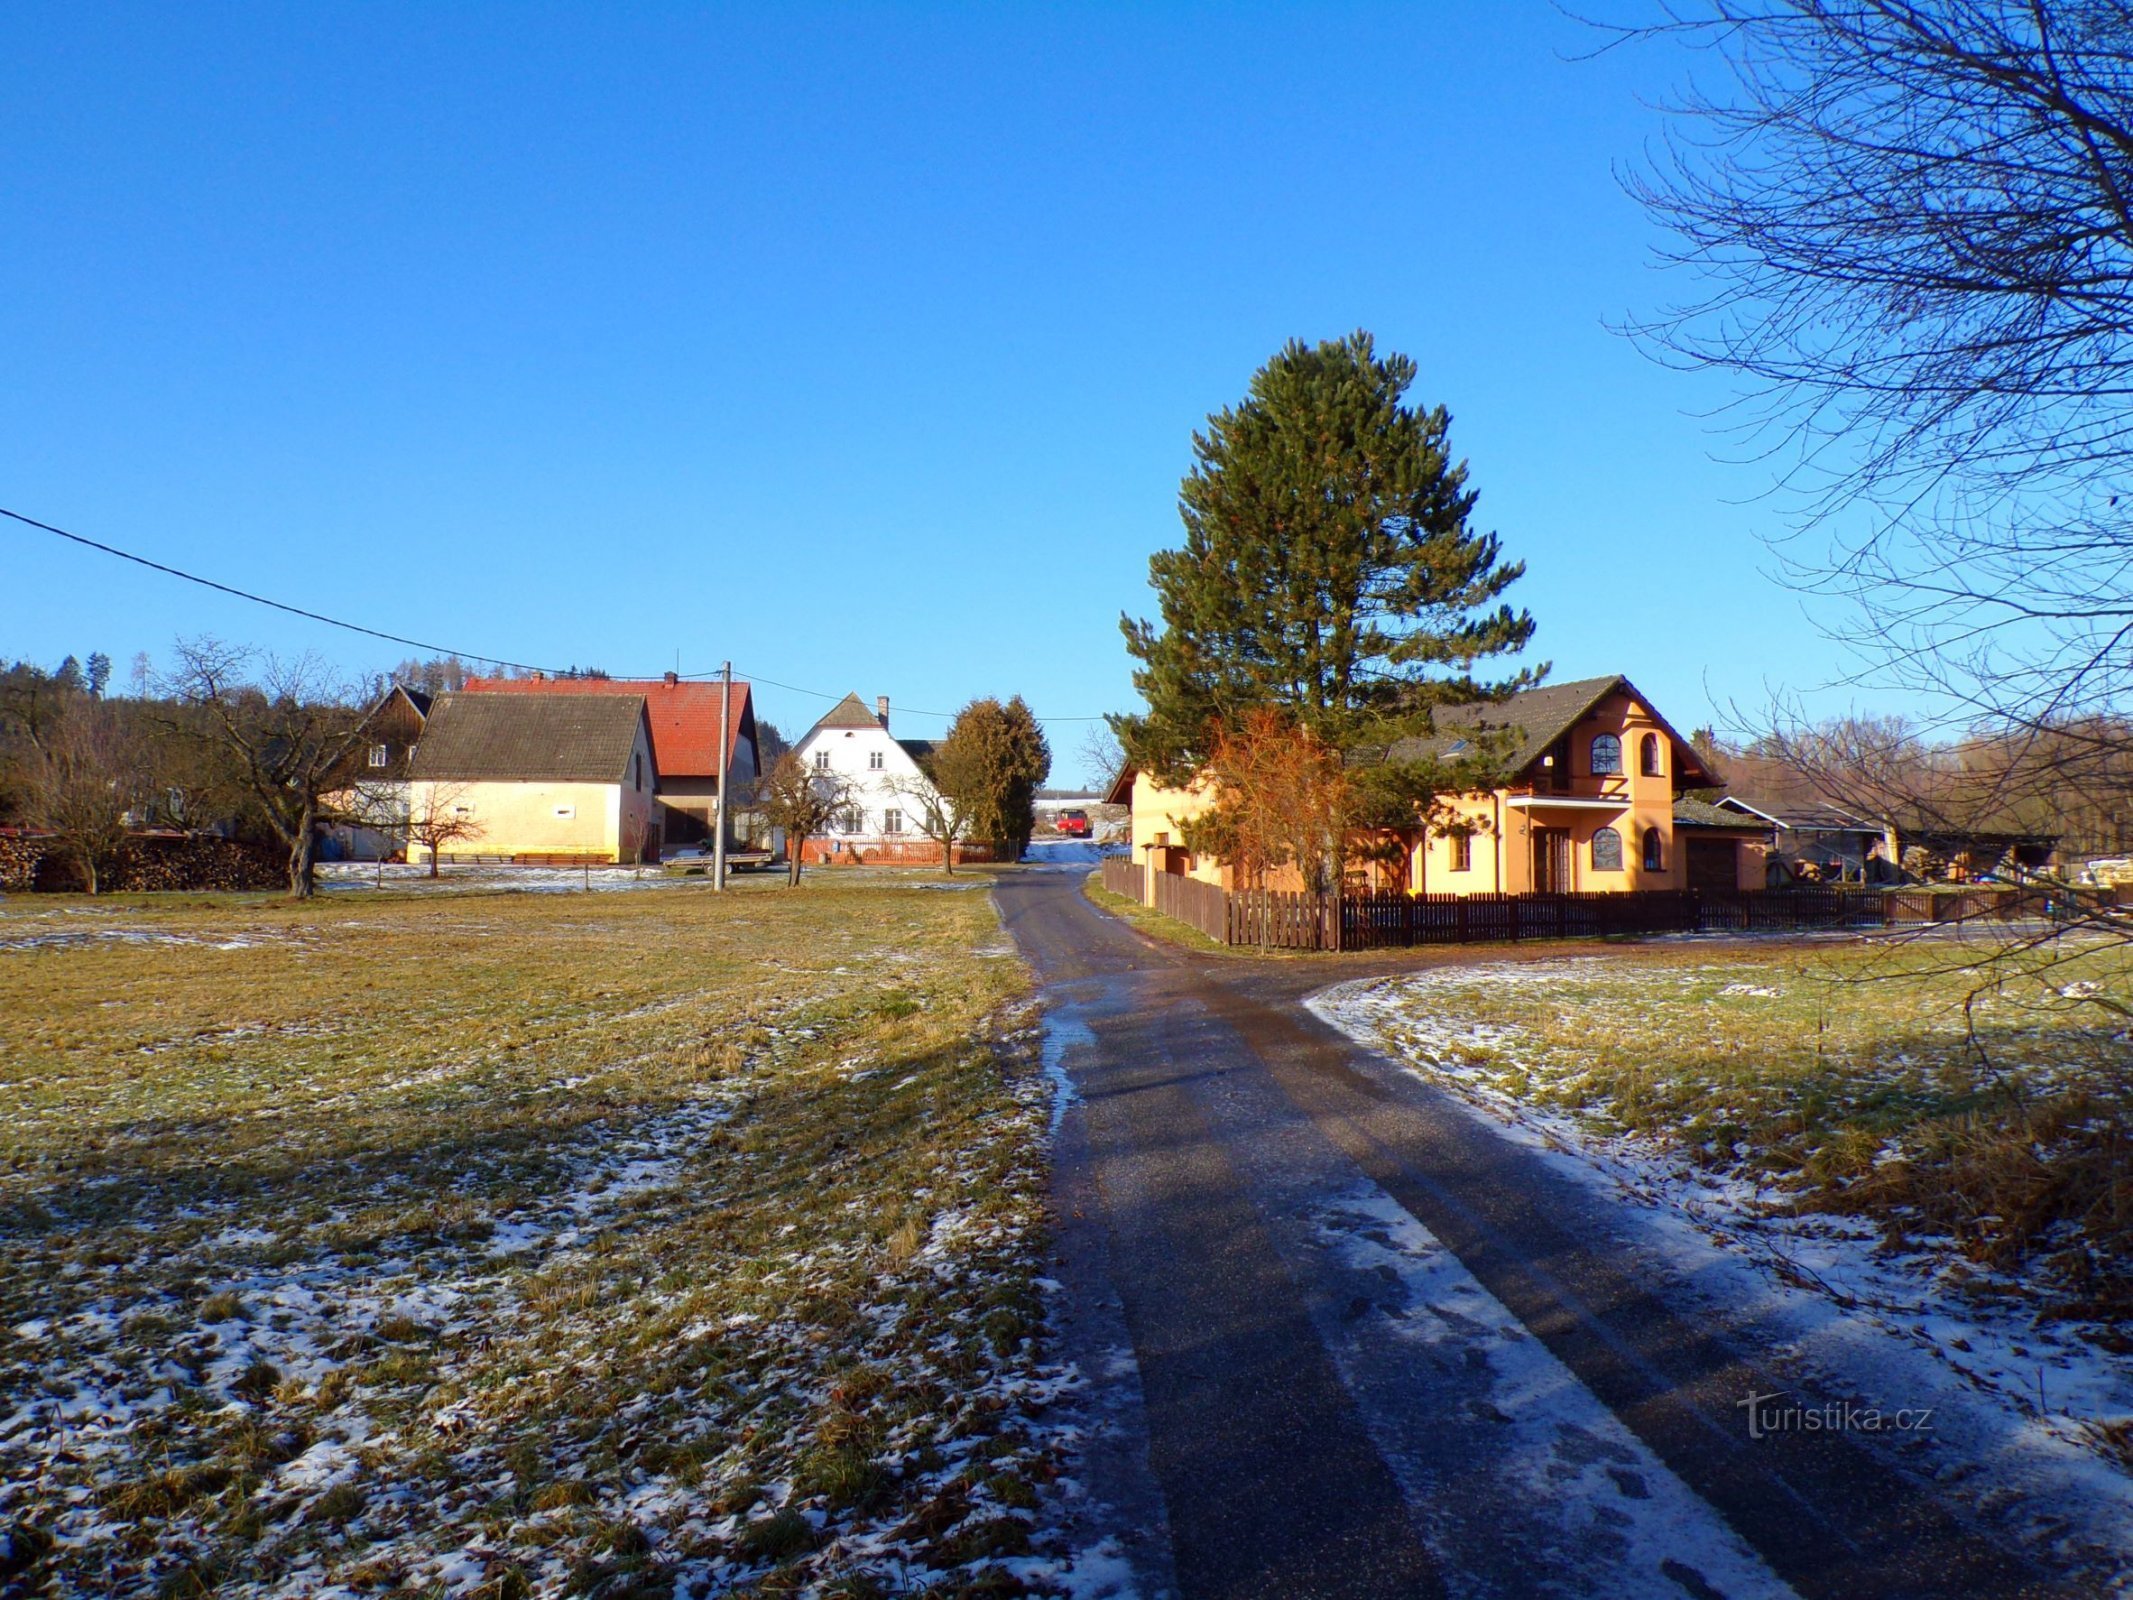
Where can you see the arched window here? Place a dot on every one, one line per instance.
(1607, 851)
(1648, 757)
(1606, 755)
(1654, 851)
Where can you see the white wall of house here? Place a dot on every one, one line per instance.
(872, 766)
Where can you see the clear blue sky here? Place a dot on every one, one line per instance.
(861, 345)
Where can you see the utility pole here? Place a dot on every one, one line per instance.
(725, 776)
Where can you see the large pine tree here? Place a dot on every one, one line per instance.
(1330, 569)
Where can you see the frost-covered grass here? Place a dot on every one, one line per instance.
(508, 1244)
(1991, 1123)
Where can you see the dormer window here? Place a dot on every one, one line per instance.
(1649, 760)
(1606, 756)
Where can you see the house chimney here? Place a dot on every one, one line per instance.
(881, 709)
(672, 679)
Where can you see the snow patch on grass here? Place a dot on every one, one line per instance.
(2033, 1421)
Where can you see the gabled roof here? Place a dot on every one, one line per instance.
(683, 716)
(850, 712)
(1814, 816)
(1534, 719)
(530, 737)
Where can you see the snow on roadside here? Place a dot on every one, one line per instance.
(1566, 1474)
(1903, 1335)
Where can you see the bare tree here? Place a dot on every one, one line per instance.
(85, 776)
(801, 800)
(284, 731)
(1913, 228)
(1103, 758)
(438, 816)
(944, 817)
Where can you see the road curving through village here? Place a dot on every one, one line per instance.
(1382, 1350)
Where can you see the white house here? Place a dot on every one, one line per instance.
(883, 779)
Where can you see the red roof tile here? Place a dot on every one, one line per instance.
(684, 716)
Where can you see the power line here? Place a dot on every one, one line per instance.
(909, 711)
(262, 600)
(418, 644)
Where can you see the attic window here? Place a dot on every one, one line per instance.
(874, 760)
(1648, 761)
(379, 755)
(1606, 756)
(822, 761)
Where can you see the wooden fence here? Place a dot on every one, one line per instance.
(1393, 920)
(1205, 906)
(1124, 877)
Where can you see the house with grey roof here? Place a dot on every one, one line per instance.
(884, 786)
(1589, 785)
(542, 778)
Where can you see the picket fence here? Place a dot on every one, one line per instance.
(1277, 920)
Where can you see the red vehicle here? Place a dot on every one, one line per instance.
(1074, 824)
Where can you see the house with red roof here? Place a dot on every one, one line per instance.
(684, 716)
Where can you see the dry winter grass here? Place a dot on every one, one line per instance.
(1984, 1111)
(511, 1244)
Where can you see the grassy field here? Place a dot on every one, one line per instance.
(1990, 1121)
(511, 1244)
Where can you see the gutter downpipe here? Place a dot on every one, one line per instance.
(1500, 888)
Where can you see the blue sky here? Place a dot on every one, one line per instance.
(862, 345)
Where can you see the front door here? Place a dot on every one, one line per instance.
(1551, 861)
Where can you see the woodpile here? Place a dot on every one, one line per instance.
(149, 864)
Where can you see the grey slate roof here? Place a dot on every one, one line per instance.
(850, 712)
(1532, 720)
(560, 738)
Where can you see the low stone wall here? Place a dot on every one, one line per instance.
(154, 863)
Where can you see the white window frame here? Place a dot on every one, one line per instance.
(381, 755)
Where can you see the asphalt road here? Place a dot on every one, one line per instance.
(1300, 1440)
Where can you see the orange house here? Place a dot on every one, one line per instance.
(1595, 802)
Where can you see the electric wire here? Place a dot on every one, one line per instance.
(435, 649)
